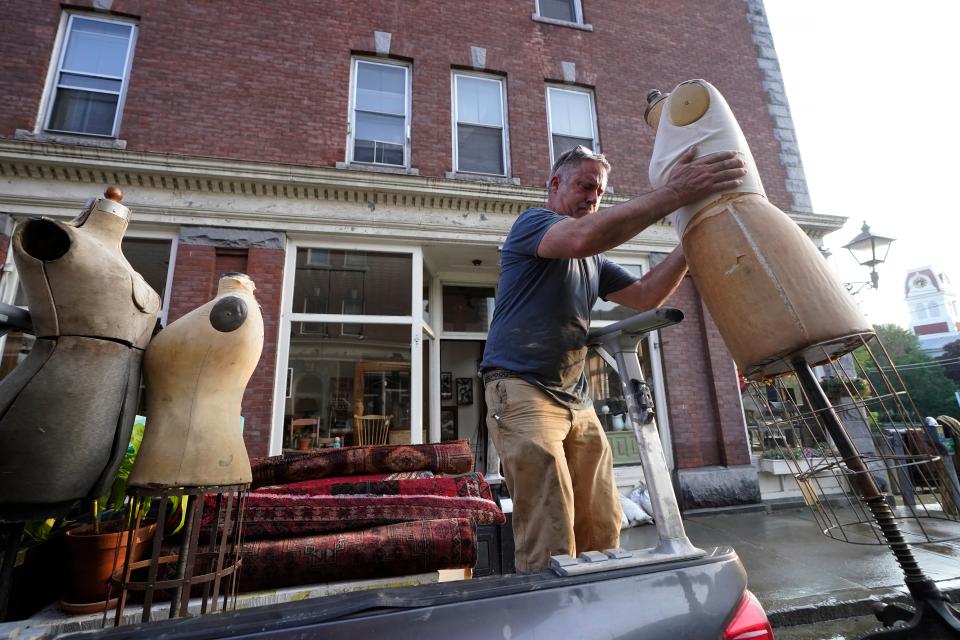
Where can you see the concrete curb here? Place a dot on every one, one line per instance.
(834, 609)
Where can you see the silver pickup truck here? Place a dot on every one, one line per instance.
(668, 592)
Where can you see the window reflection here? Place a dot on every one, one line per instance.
(467, 308)
(352, 282)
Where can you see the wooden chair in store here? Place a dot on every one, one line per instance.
(371, 429)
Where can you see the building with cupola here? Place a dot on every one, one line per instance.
(932, 300)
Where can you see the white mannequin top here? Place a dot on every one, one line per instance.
(716, 130)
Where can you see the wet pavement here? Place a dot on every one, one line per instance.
(844, 629)
(800, 575)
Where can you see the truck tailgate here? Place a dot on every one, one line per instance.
(682, 599)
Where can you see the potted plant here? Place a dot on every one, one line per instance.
(782, 461)
(304, 442)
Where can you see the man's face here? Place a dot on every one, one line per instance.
(577, 192)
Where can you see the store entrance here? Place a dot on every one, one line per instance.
(462, 408)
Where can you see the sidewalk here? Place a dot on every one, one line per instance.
(802, 576)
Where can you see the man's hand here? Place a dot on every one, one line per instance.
(695, 178)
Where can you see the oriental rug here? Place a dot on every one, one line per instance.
(442, 457)
(295, 510)
(472, 485)
(397, 549)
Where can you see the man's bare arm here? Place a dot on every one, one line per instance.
(653, 289)
(691, 180)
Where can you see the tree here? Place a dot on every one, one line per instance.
(951, 361)
(924, 378)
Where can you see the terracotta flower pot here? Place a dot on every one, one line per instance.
(91, 559)
(304, 442)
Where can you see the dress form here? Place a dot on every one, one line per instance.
(762, 279)
(196, 371)
(68, 408)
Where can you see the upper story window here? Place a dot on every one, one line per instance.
(93, 70)
(380, 113)
(572, 120)
(563, 10)
(480, 132)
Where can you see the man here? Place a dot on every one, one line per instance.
(557, 463)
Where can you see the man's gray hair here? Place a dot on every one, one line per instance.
(572, 158)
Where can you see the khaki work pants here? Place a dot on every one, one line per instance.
(558, 467)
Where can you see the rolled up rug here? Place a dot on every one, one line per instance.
(440, 457)
(391, 550)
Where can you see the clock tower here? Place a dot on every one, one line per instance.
(934, 314)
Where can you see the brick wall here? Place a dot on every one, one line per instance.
(195, 279)
(706, 421)
(270, 81)
(265, 266)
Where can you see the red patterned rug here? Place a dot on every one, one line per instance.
(305, 509)
(392, 550)
(442, 457)
(468, 485)
(322, 486)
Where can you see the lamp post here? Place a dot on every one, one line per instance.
(868, 250)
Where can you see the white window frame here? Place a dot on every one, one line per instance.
(577, 9)
(288, 318)
(352, 115)
(53, 84)
(504, 130)
(593, 119)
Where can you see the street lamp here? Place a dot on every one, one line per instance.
(868, 250)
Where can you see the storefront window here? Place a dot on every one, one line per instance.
(611, 406)
(352, 282)
(467, 309)
(333, 377)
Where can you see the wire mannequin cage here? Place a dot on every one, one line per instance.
(869, 466)
(194, 571)
(884, 437)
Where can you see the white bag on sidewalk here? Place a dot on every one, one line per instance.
(636, 507)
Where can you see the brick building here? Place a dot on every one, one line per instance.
(362, 162)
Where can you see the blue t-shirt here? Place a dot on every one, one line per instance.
(542, 314)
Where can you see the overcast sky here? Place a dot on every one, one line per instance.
(875, 100)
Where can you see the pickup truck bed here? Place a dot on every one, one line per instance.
(688, 599)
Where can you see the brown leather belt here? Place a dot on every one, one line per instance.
(491, 375)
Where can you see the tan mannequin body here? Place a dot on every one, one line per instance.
(763, 280)
(196, 371)
(67, 410)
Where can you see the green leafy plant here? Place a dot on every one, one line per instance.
(39, 530)
(820, 450)
(116, 498)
